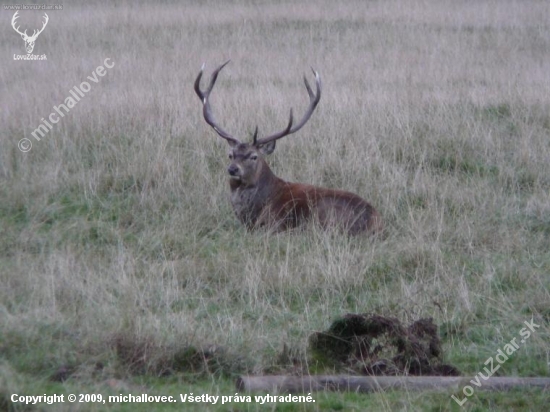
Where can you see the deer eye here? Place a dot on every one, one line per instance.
(230, 156)
(253, 157)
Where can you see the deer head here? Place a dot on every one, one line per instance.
(29, 40)
(247, 159)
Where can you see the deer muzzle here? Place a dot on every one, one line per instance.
(234, 171)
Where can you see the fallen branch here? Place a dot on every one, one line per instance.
(342, 383)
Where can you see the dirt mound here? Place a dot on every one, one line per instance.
(378, 345)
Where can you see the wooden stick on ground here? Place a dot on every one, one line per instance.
(307, 384)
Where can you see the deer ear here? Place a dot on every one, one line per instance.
(232, 142)
(267, 148)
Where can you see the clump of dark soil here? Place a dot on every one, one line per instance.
(378, 345)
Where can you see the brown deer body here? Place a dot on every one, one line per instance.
(261, 199)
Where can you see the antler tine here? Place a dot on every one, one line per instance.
(198, 83)
(313, 102)
(255, 136)
(207, 110)
(318, 83)
(285, 132)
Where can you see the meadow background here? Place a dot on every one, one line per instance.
(123, 268)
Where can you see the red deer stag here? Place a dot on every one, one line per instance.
(260, 198)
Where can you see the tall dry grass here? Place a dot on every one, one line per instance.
(118, 243)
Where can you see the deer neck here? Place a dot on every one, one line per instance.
(249, 199)
(264, 181)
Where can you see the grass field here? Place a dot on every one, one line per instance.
(122, 266)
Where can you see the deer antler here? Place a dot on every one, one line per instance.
(35, 34)
(207, 110)
(15, 17)
(313, 101)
